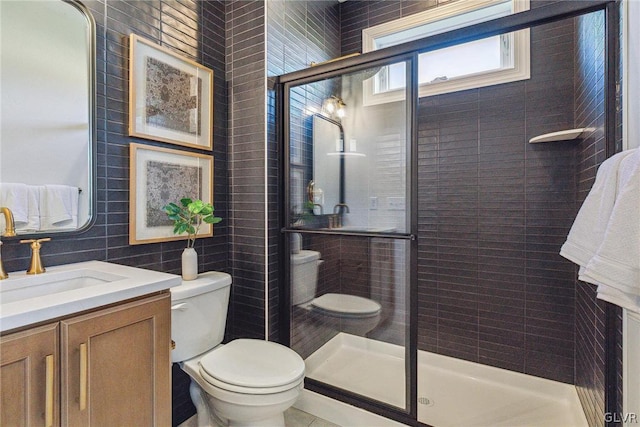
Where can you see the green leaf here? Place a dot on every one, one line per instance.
(212, 219)
(188, 217)
(182, 227)
(196, 206)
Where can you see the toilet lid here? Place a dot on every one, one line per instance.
(348, 305)
(253, 363)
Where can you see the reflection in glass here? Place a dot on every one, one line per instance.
(350, 161)
(348, 173)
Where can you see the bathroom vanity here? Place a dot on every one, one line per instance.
(102, 363)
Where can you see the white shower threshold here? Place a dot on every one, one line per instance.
(452, 392)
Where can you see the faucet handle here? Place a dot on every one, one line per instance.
(36, 242)
(36, 266)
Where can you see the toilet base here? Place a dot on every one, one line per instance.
(264, 411)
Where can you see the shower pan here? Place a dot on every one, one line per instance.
(419, 266)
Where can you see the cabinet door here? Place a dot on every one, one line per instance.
(116, 366)
(29, 380)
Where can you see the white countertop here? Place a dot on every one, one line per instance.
(124, 283)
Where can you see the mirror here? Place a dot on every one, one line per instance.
(328, 164)
(47, 132)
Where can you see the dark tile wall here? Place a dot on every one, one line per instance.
(298, 33)
(589, 312)
(591, 328)
(494, 210)
(359, 14)
(245, 58)
(192, 29)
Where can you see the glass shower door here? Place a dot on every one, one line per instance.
(349, 231)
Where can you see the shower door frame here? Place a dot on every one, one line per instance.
(409, 52)
(411, 358)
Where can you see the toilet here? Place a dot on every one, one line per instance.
(356, 315)
(246, 382)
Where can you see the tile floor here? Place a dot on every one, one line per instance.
(292, 418)
(296, 418)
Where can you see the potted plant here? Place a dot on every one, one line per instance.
(187, 218)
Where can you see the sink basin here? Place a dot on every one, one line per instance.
(67, 289)
(53, 283)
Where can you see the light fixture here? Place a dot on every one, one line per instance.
(334, 106)
(341, 109)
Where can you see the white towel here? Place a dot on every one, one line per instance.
(622, 299)
(589, 227)
(616, 263)
(33, 196)
(58, 207)
(15, 197)
(23, 200)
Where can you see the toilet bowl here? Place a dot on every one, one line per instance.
(353, 314)
(357, 315)
(246, 382)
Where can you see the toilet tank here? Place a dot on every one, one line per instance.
(304, 276)
(199, 314)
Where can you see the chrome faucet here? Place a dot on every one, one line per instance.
(340, 207)
(10, 231)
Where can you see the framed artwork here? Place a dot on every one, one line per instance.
(170, 97)
(160, 176)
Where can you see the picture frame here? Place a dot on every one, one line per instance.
(170, 97)
(160, 176)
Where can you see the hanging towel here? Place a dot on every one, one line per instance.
(33, 197)
(589, 227)
(58, 207)
(23, 200)
(616, 263)
(622, 299)
(15, 197)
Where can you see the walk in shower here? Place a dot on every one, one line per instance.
(423, 229)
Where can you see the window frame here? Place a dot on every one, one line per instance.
(519, 40)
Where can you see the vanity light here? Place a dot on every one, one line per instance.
(341, 109)
(334, 106)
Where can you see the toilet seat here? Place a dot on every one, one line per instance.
(251, 366)
(344, 305)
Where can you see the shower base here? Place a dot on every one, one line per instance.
(451, 392)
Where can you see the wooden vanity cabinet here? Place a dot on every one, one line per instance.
(116, 366)
(29, 377)
(112, 367)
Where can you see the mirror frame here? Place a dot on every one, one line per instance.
(92, 134)
(341, 179)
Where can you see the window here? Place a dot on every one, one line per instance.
(485, 62)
